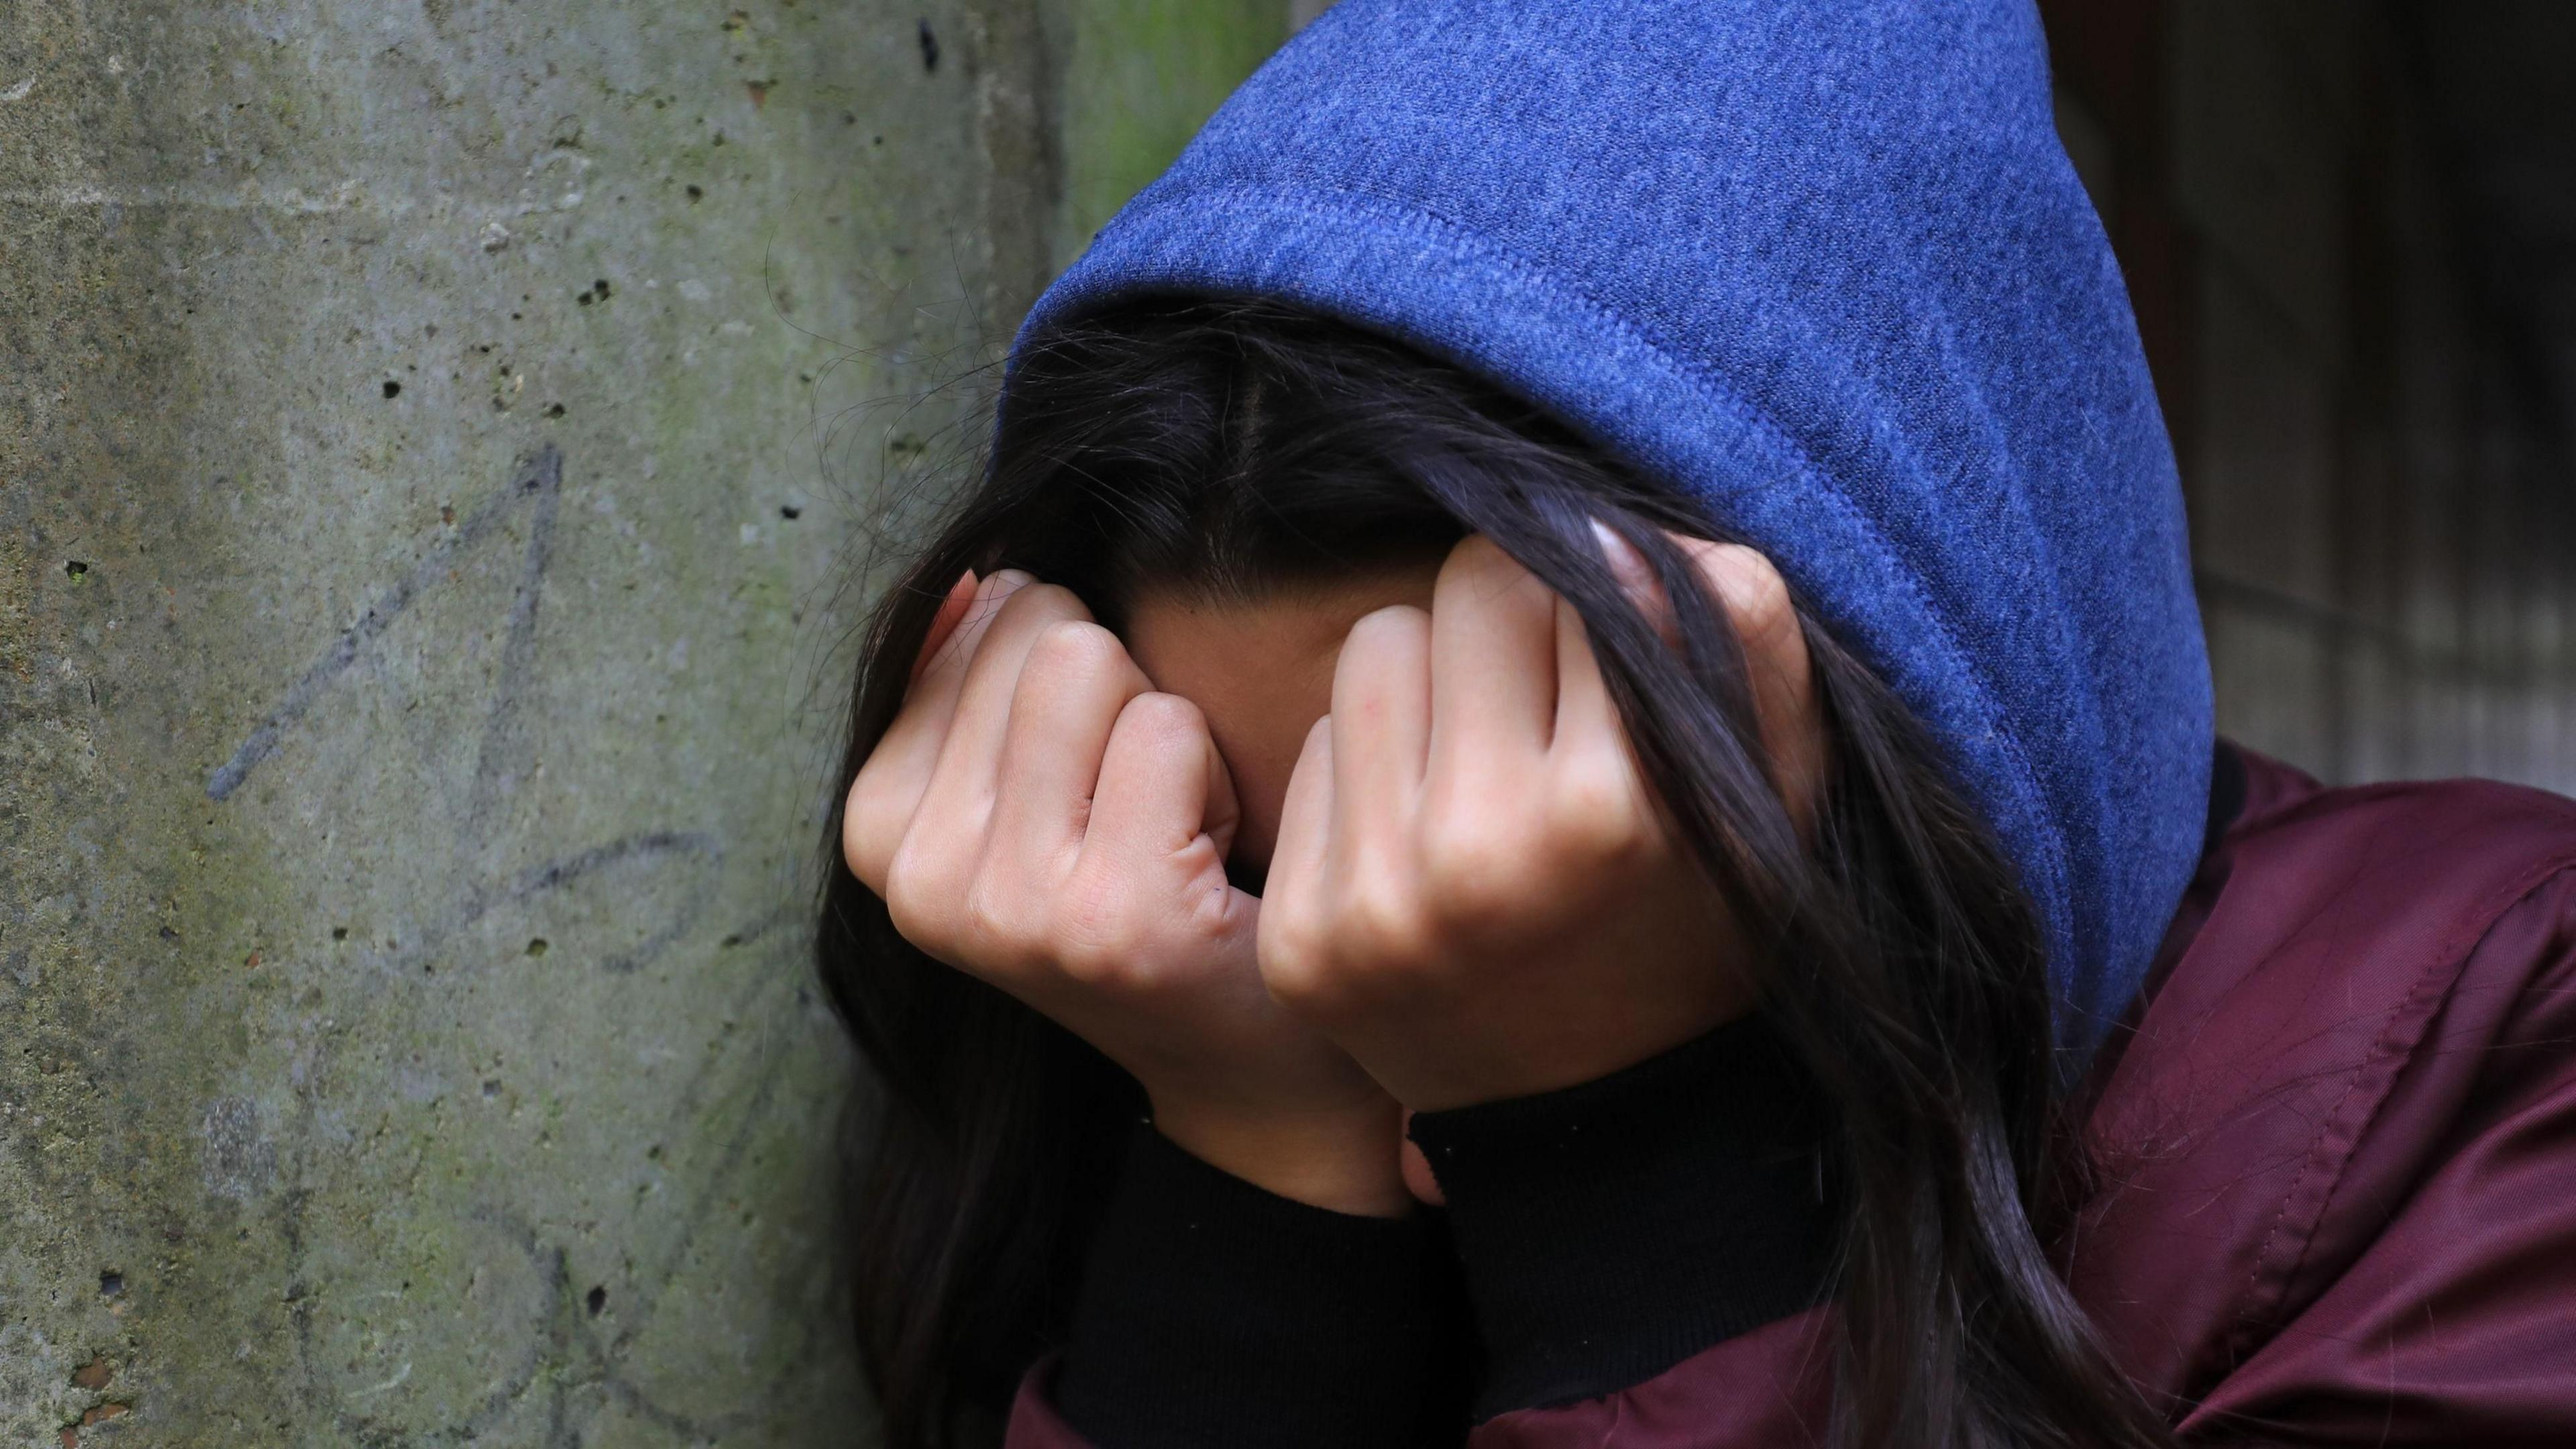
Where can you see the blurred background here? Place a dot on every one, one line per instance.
(2350, 234)
(440, 442)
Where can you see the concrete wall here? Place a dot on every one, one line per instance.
(2383, 511)
(436, 444)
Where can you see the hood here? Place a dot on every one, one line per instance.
(1824, 262)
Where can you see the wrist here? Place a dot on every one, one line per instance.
(1344, 1159)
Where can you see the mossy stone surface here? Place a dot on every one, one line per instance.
(440, 444)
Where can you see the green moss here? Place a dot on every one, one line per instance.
(1139, 78)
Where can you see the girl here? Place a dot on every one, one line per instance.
(1558, 790)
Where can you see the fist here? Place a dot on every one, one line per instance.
(1040, 817)
(1474, 891)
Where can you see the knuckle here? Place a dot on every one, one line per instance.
(1474, 861)
(1597, 817)
(918, 902)
(1162, 719)
(1311, 984)
(867, 842)
(1071, 648)
(997, 929)
(1093, 965)
(1755, 594)
(1284, 949)
(1480, 572)
(1594, 789)
(1396, 626)
(1289, 964)
(1297, 950)
(1091, 936)
(1289, 936)
(1383, 921)
(1474, 556)
(1039, 601)
(903, 910)
(1064, 664)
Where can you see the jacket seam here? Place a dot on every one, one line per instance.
(2422, 1002)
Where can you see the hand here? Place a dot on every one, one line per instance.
(1038, 816)
(1474, 891)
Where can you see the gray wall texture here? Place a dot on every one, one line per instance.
(438, 440)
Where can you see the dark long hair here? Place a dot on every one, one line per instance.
(1226, 449)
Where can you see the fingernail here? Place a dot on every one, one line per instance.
(990, 591)
(1626, 564)
(1637, 580)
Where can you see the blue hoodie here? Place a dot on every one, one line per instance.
(1825, 263)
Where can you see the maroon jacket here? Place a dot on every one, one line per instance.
(2338, 1200)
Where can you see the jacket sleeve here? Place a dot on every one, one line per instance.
(2430, 1305)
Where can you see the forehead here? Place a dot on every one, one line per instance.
(1261, 673)
(1280, 645)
